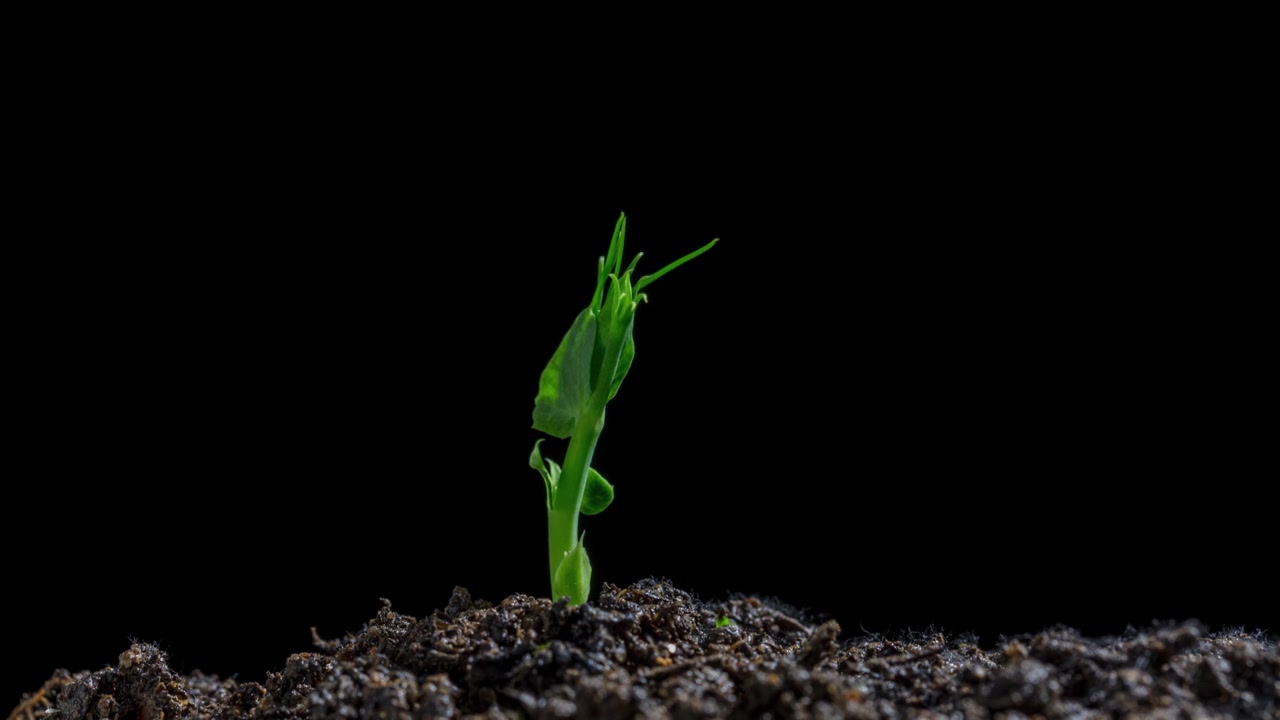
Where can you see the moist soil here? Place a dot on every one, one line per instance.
(653, 651)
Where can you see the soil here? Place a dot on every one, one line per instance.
(653, 651)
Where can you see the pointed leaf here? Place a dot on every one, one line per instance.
(564, 391)
(614, 259)
(573, 576)
(535, 457)
(536, 462)
(600, 275)
(622, 241)
(598, 493)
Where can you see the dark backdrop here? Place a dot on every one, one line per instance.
(978, 382)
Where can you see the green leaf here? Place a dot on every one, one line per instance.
(549, 470)
(573, 576)
(624, 365)
(564, 391)
(535, 462)
(598, 493)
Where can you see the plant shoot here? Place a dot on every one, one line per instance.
(583, 375)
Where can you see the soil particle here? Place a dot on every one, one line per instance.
(653, 651)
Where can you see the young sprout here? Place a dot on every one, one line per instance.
(582, 376)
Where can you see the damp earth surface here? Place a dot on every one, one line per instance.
(651, 650)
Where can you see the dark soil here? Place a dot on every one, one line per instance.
(653, 651)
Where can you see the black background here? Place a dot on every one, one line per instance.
(942, 370)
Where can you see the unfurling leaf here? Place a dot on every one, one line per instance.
(549, 470)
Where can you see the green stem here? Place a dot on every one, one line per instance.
(562, 519)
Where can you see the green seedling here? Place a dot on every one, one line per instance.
(583, 375)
